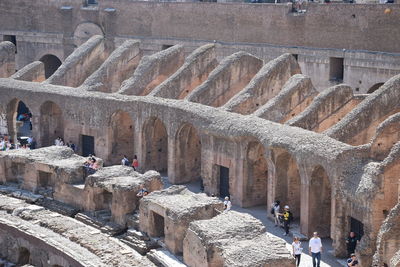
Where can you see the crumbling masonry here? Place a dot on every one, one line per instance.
(255, 130)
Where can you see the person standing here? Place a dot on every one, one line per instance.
(315, 249)
(351, 243)
(135, 163)
(125, 161)
(227, 204)
(297, 249)
(276, 209)
(287, 219)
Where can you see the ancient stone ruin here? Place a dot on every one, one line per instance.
(255, 113)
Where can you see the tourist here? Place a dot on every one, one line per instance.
(125, 161)
(351, 243)
(297, 249)
(275, 210)
(315, 249)
(32, 143)
(135, 163)
(352, 261)
(90, 165)
(227, 204)
(142, 192)
(72, 146)
(287, 218)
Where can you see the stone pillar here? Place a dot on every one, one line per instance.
(305, 210)
(172, 160)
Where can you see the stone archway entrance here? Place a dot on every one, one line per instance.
(257, 175)
(155, 145)
(51, 64)
(51, 123)
(320, 202)
(19, 120)
(122, 132)
(287, 181)
(188, 155)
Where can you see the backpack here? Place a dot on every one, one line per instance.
(272, 211)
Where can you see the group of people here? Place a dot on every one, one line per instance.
(135, 163)
(91, 165)
(8, 144)
(282, 219)
(315, 250)
(60, 142)
(315, 245)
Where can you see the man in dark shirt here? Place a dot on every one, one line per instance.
(351, 242)
(352, 261)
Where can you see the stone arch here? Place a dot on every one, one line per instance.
(374, 88)
(51, 123)
(122, 137)
(155, 145)
(257, 175)
(287, 181)
(17, 126)
(23, 256)
(51, 64)
(188, 155)
(84, 31)
(320, 197)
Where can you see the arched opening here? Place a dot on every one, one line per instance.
(188, 155)
(320, 202)
(122, 142)
(51, 64)
(51, 123)
(287, 181)
(257, 175)
(84, 31)
(23, 256)
(374, 88)
(155, 141)
(19, 120)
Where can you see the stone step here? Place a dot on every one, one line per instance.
(82, 217)
(57, 206)
(14, 191)
(112, 229)
(137, 234)
(164, 258)
(138, 241)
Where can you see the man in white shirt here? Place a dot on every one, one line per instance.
(227, 204)
(315, 249)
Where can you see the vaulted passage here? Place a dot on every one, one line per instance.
(19, 120)
(320, 202)
(155, 145)
(287, 181)
(51, 123)
(122, 132)
(51, 64)
(257, 175)
(188, 155)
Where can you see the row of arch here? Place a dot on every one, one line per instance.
(275, 177)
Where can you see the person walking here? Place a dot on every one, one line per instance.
(276, 210)
(351, 243)
(315, 249)
(297, 250)
(135, 163)
(287, 219)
